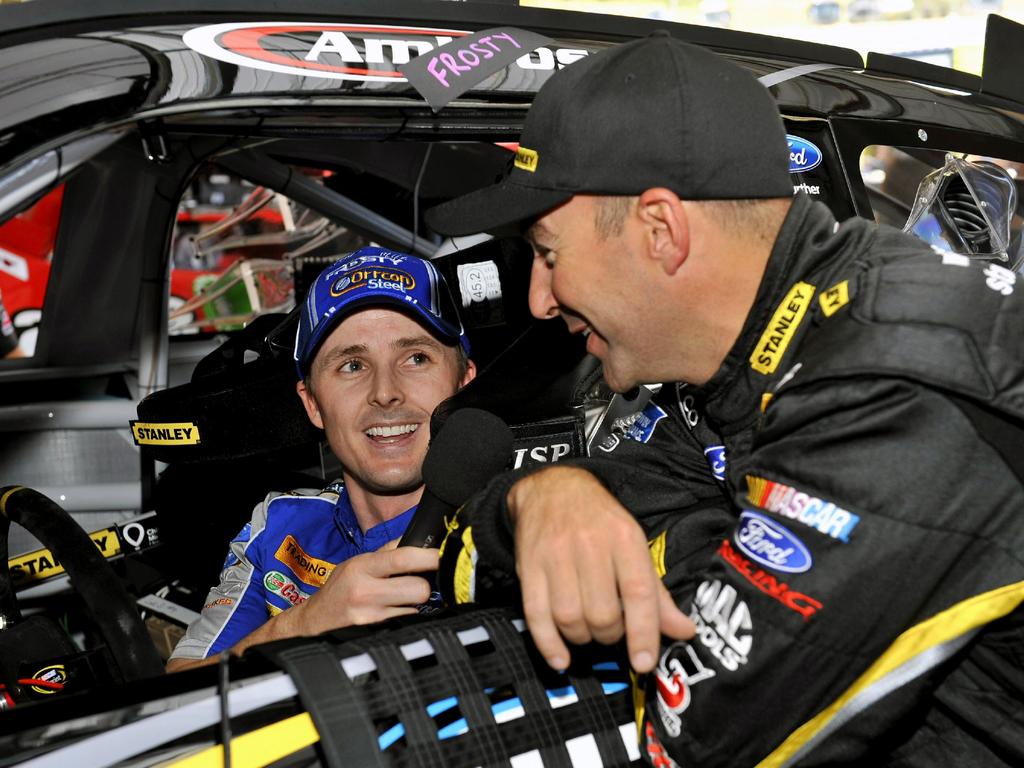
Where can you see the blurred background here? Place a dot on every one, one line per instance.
(945, 32)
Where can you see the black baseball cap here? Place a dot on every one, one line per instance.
(655, 112)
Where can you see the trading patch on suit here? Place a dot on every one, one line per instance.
(311, 570)
(824, 516)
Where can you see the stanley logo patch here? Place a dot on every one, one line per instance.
(781, 329)
(41, 564)
(168, 433)
(311, 570)
(526, 159)
(835, 298)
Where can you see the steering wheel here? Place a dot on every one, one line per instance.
(105, 597)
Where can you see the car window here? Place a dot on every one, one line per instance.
(892, 176)
(240, 250)
(26, 255)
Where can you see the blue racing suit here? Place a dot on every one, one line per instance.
(279, 558)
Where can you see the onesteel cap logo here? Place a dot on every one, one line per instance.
(803, 155)
(368, 52)
(766, 542)
(374, 278)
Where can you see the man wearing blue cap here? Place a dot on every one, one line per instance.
(379, 345)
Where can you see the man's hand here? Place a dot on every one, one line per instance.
(367, 588)
(362, 590)
(585, 570)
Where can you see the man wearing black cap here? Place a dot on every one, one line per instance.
(379, 345)
(863, 604)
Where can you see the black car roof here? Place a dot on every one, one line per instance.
(69, 68)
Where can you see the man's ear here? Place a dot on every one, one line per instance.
(309, 402)
(666, 228)
(469, 375)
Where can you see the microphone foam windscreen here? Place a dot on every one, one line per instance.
(472, 447)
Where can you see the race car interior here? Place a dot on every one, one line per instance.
(151, 256)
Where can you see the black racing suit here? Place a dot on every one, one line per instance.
(859, 600)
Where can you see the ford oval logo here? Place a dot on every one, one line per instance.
(716, 459)
(803, 155)
(766, 542)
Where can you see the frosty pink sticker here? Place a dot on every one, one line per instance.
(446, 73)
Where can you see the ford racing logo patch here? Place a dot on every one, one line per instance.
(803, 155)
(772, 545)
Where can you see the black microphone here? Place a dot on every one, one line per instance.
(471, 447)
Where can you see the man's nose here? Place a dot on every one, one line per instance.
(542, 300)
(386, 388)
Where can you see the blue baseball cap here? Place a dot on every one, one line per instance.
(371, 277)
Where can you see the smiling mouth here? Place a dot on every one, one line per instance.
(392, 430)
(577, 326)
